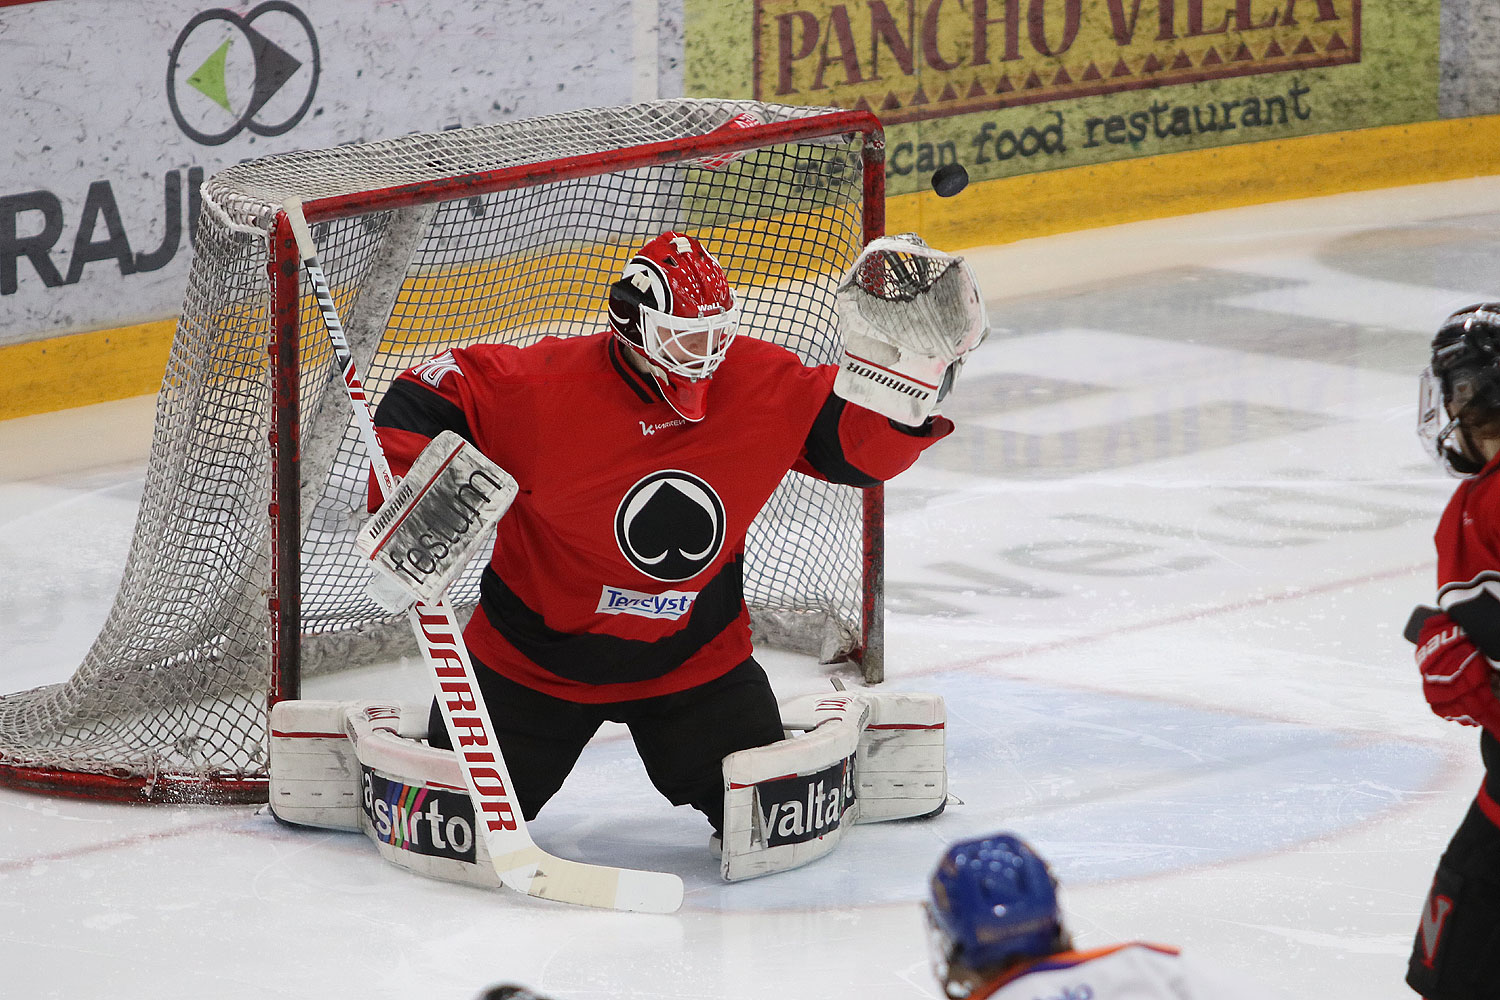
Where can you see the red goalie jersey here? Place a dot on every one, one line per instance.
(616, 573)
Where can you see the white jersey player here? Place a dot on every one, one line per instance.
(996, 932)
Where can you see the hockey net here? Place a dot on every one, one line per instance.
(242, 574)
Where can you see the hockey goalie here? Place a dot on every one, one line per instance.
(612, 479)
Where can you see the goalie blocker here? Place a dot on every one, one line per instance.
(441, 512)
(850, 757)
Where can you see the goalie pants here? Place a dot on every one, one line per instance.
(1457, 951)
(682, 737)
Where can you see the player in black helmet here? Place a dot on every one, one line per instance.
(1460, 400)
(1458, 645)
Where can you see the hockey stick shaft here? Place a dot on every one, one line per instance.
(353, 387)
(517, 860)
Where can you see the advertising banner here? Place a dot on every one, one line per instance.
(1013, 86)
(118, 112)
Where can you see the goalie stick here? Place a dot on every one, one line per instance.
(518, 861)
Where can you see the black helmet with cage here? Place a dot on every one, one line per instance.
(1460, 397)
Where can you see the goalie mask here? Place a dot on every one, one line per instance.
(1460, 389)
(992, 902)
(675, 309)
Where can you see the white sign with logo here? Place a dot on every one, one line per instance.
(118, 112)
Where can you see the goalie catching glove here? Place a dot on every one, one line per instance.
(909, 314)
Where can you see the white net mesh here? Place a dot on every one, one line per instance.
(171, 699)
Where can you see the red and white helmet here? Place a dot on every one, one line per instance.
(674, 307)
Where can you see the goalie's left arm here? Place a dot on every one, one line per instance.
(909, 315)
(854, 446)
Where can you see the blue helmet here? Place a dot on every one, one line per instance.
(992, 901)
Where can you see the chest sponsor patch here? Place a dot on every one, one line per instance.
(671, 604)
(648, 429)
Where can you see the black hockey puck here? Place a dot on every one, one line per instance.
(950, 179)
(509, 991)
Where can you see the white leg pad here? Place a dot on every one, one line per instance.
(902, 760)
(857, 757)
(788, 803)
(362, 766)
(314, 773)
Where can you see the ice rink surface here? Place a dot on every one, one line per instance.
(1159, 575)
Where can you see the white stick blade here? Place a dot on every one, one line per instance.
(565, 881)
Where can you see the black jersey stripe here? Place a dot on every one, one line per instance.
(825, 452)
(592, 658)
(644, 388)
(411, 406)
(1477, 612)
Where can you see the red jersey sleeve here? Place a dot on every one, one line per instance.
(854, 446)
(1458, 646)
(420, 404)
(1468, 551)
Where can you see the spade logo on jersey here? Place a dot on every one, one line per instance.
(670, 525)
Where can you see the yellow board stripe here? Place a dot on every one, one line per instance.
(1153, 187)
(53, 374)
(45, 375)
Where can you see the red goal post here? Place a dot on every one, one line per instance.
(242, 578)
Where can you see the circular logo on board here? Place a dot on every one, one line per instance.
(670, 525)
(229, 72)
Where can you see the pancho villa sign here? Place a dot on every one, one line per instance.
(909, 60)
